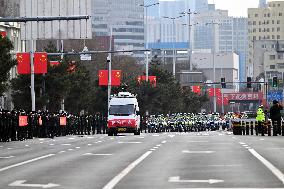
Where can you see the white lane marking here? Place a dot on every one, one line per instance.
(71, 138)
(26, 145)
(242, 143)
(91, 154)
(66, 144)
(197, 152)
(121, 136)
(99, 141)
(129, 142)
(152, 149)
(163, 142)
(90, 137)
(245, 145)
(111, 138)
(196, 141)
(236, 165)
(9, 148)
(210, 181)
(101, 137)
(89, 144)
(248, 147)
(61, 152)
(111, 184)
(271, 167)
(41, 142)
(155, 147)
(53, 140)
(158, 145)
(7, 157)
(261, 139)
(51, 144)
(25, 162)
(70, 149)
(155, 135)
(21, 183)
(77, 147)
(41, 139)
(234, 137)
(171, 136)
(140, 137)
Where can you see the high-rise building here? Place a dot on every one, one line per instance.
(9, 8)
(125, 17)
(264, 23)
(262, 3)
(201, 5)
(216, 30)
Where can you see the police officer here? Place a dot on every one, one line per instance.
(275, 116)
(260, 118)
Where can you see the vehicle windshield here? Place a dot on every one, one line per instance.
(121, 110)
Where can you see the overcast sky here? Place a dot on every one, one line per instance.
(235, 7)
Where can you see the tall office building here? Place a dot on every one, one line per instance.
(125, 17)
(264, 24)
(262, 3)
(215, 29)
(9, 8)
(153, 11)
(201, 5)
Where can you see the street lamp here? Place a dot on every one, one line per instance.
(189, 36)
(173, 40)
(214, 70)
(145, 35)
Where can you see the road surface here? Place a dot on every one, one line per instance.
(154, 161)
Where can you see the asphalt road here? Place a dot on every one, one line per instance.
(164, 160)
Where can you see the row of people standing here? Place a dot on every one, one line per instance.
(19, 125)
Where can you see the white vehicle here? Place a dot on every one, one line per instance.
(123, 114)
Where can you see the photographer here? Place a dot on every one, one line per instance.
(275, 116)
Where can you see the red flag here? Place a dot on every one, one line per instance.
(153, 80)
(218, 91)
(196, 89)
(40, 63)
(115, 77)
(103, 77)
(225, 100)
(23, 121)
(210, 92)
(24, 66)
(3, 34)
(54, 63)
(63, 121)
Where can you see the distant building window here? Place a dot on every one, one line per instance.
(256, 15)
(267, 29)
(272, 37)
(264, 15)
(272, 66)
(272, 29)
(278, 21)
(278, 36)
(254, 23)
(272, 57)
(280, 13)
(278, 5)
(272, 21)
(278, 29)
(259, 29)
(268, 15)
(254, 38)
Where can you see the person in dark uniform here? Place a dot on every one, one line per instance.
(275, 116)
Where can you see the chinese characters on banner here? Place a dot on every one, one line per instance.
(244, 96)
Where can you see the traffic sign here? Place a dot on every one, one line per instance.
(275, 95)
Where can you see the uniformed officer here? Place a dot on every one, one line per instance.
(260, 118)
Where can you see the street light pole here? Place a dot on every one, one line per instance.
(189, 36)
(214, 69)
(146, 35)
(173, 41)
(109, 68)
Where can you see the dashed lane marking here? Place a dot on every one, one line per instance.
(25, 162)
(152, 149)
(71, 138)
(61, 152)
(112, 183)
(197, 152)
(89, 144)
(163, 142)
(70, 149)
(66, 144)
(233, 165)
(158, 145)
(7, 157)
(77, 147)
(91, 154)
(129, 142)
(51, 144)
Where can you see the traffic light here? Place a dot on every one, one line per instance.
(275, 82)
(248, 82)
(223, 82)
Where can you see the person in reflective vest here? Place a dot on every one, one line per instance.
(260, 118)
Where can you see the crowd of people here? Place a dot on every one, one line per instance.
(20, 125)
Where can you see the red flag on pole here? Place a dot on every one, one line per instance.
(103, 77)
(196, 89)
(40, 63)
(23, 60)
(3, 34)
(115, 77)
(153, 80)
(54, 63)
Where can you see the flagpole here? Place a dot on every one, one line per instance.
(32, 75)
(109, 68)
